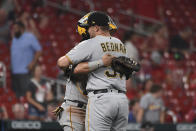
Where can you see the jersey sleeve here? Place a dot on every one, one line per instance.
(81, 52)
(35, 43)
(144, 102)
(31, 88)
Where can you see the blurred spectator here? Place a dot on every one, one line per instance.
(7, 5)
(37, 95)
(129, 39)
(4, 27)
(25, 51)
(18, 111)
(146, 87)
(180, 42)
(152, 107)
(3, 113)
(134, 108)
(29, 23)
(158, 41)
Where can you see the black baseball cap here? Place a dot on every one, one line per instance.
(98, 18)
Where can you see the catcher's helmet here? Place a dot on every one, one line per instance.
(95, 18)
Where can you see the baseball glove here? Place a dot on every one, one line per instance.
(125, 66)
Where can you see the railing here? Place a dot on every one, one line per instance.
(67, 7)
(59, 84)
(140, 18)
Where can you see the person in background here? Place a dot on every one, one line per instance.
(4, 27)
(29, 24)
(18, 111)
(179, 42)
(25, 51)
(3, 113)
(37, 95)
(152, 107)
(129, 39)
(146, 87)
(158, 41)
(134, 108)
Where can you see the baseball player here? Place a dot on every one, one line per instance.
(71, 114)
(107, 107)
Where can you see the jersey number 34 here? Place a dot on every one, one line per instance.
(112, 74)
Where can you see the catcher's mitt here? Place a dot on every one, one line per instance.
(125, 66)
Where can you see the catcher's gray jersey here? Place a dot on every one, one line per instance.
(74, 91)
(93, 49)
(73, 117)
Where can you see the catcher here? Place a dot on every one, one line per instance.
(104, 83)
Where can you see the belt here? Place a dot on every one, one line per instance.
(76, 103)
(107, 91)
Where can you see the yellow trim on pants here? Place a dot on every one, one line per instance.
(81, 92)
(70, 118)
(88, 115)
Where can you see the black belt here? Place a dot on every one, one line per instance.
(106, 91)
(78, 103)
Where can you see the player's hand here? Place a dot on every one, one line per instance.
(107, 59)
(41, 108)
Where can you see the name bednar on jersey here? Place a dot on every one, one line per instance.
(93, 49)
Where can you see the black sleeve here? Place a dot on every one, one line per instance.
(31, 88)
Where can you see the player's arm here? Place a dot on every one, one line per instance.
(143, 105)
(33, 102)
(162, 117)
(139, 116)
(64, 62)
(86, 67)
(76, 55)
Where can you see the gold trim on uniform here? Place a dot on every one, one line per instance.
(107, 73)
(69, 59)
(70, 119)
(81, 92)
(88, 115)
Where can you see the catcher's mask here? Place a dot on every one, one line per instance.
(95, 18)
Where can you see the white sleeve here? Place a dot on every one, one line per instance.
(81, 52)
